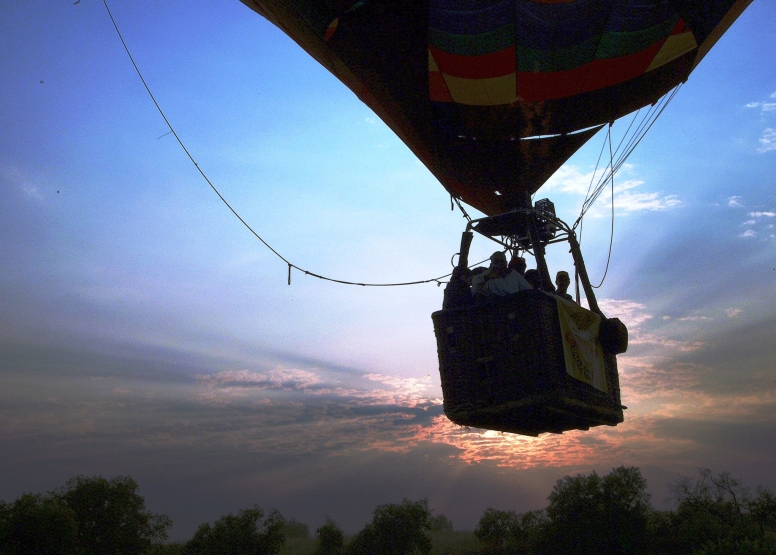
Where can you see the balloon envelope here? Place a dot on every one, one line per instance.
(494, 96)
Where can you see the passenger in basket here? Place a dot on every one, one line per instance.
(517, 263)
(498, 280)
(562, 282)
(458, 293)
(533, 277)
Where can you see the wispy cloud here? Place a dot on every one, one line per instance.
(22, 180)
(734, 202)
(633, 314)
(300, 384)
(767, 140)
(757, 224)
(278, 379)
(764, 106)
(647, 377)
(733, 312)
(569, 179)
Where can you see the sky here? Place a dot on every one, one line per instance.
(145, 332)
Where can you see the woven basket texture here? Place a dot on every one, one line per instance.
(502, 368)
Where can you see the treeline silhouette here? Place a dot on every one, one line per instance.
(586, 515)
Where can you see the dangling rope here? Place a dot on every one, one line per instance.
(229, 206)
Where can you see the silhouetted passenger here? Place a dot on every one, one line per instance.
(498, 280)
(517, 263)
(533, 277)
(458, 293)
(562, 282)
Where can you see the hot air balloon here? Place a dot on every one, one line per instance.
(493, 96)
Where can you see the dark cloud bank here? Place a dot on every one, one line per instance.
(205, 436)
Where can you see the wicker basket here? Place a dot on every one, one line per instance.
(502, 368)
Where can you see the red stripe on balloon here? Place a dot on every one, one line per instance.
(487, 66)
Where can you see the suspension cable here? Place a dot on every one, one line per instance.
(233, 211)
(611, 234)
(638, 135)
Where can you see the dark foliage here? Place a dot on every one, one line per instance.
(295, 529)
(331, 539)
(111, 516)
(603, 515)
(35, 525)
(242, 534)
(440, 523)
(396, 529)
(717, 514)
(495, 528)
(509, 532)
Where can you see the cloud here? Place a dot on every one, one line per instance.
(632, 313)
(767, 140)
(635, 202)
(764, 106)
(648, 377)
(757, 215)
(569, 179)
(23, 181)
(635, 315)
(304, 385)
(278, 379)
(734, 202)
(733, 312)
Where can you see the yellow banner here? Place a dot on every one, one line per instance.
(581, 348)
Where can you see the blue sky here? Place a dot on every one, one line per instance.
(144, 331)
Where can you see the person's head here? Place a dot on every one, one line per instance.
(498, 260)
(562, 280)
(517, 263)
(533, 277)
(460, 272)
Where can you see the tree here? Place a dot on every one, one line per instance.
(295, 529)
(34, 525)
(440, 523)
(241, 534)
(762, 510)
(331, 538)
(396, 529)
(717, 513)
(590, 514)
(111, 516)
(527, 531)
(508, 532)
(495, 528)
(732, 546)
